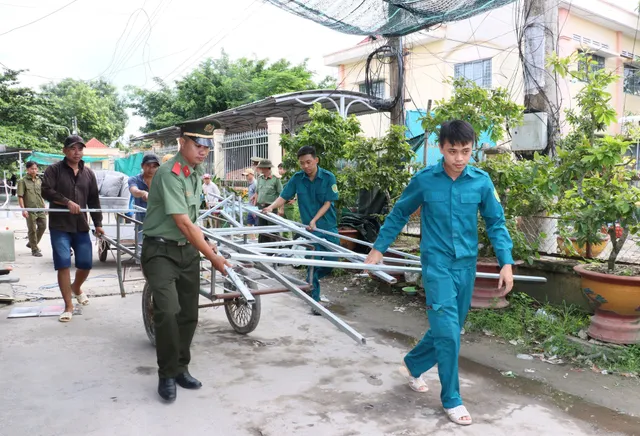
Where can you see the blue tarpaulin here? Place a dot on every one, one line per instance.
(414, 130)
(48, 158)
(129, 165)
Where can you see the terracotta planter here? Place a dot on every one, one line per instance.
(596, 249)
(486, 294)
(351, 233)
(617, 306)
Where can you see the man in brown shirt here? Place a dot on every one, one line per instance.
(69, 184)
(30, 196)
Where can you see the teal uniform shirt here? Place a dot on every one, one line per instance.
(449, 249)
(450, 216)
(312, 195)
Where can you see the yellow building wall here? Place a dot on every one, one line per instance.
(429, 66)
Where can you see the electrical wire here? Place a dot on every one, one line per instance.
(39, 19)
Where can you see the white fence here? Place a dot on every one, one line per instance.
(239, 148)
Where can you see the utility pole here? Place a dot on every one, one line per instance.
(396, 76)
(540, 85)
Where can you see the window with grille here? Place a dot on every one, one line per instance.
(377, 88)
(631, 79)
(476, 71)
(599, 65)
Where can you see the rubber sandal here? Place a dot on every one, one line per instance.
(82, 299)
(416, 383)
(457, 413)
(65, 317)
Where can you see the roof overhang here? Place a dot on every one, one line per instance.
(292, 107)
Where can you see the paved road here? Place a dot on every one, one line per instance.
(295, 375)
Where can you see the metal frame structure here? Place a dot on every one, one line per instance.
(255, 264)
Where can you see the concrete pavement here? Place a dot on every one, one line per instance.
(295, 375)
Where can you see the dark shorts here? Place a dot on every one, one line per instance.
(63, 242)
(251, 219)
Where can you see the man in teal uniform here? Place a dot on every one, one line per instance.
(451, 193)
(171, 256)
(317, 190)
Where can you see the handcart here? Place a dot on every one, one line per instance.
(255, 266)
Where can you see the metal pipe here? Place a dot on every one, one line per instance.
(45, 209)
(333, 254)
(358, 241)
(279, 243)
(239, 284)
(344, 327)
(213, 209)
(233, 231)
(363, 266)
(294, 227)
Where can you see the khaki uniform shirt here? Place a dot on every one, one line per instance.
(31, 192)
(176, 190)
(268, 189)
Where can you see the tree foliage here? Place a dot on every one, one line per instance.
(26, 119)
(487, 110)
(357, 162)
(41, 120)
(98, 108)
(593, 177)
(217, 85)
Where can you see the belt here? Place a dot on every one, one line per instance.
(166, 241)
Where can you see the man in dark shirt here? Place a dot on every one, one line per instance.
(69, 184)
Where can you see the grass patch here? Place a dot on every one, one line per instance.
(543, 328)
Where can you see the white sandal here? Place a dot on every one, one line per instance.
(457, 413)
(65, 317)
(416, 383)
(82, 299)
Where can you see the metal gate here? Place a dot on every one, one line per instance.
(238, 149)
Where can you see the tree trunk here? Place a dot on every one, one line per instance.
(617, 245)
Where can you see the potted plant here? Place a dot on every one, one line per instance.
(596, 189)
(357, 162)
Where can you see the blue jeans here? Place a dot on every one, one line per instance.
(63, 242)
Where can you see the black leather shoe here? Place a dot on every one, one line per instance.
(187, 381)
(167, 389)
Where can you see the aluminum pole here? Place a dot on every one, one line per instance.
(344, 327)
(363, 266)
(294, 227)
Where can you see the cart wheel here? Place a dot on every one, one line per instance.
(243, 316)
(147, 314)
(103, 249)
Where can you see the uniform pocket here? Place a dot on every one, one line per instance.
(321, 196)
(436, 202)
(469, 203)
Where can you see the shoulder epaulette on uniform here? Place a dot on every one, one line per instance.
(426, 169)
(478, 170)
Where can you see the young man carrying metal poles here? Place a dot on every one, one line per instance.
(450, 193)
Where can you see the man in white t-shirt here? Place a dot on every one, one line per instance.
(211, 194)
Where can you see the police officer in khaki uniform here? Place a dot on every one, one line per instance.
(171, 255)
(30, 196)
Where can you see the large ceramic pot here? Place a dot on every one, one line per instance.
(616, 300)
(486, 294)
(350, 233)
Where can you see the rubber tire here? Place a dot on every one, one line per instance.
(253, 320)
(147, 314)
(103, 250)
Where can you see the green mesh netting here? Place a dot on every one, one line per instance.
(385, 17)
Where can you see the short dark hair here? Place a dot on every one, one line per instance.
(31, 164)
(456, 132)
(307, 149)
(280, 165)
